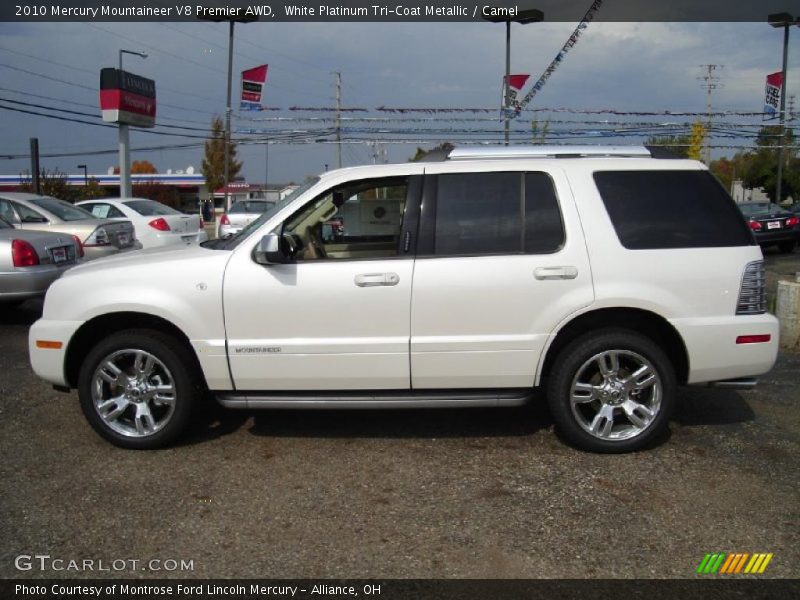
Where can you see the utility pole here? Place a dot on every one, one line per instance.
(782, 20)
(338, 118)
(35, 178)
(709, 83)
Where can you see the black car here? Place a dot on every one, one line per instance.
(772, 225)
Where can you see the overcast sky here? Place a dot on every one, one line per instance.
(621, 66)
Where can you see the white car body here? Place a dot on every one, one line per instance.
(183, 228)
(471, 323)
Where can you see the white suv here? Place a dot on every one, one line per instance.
(605, 276)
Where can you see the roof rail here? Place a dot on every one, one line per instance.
(546, 151)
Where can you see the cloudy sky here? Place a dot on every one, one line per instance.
(621, 66)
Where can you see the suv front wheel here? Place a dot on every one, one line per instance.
(612, 391)
(136, 388)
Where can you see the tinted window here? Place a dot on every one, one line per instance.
(671, 209)
(496, 213)
(150, 208)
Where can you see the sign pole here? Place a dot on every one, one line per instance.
(125, 190)
(782, 114)
(35, 178)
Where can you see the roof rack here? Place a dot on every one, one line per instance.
(547, 151)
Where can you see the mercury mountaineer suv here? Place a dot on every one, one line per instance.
(605, 276)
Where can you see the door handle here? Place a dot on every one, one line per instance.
(375, 279)
(548, 273)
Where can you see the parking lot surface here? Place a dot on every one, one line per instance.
(428, 493)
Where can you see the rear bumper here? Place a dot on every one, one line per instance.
(28, 282)
(714, 354)
(778, 236)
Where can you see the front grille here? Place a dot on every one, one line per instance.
(753, 293)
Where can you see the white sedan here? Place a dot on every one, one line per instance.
(156, 224)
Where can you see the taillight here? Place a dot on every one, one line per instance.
(224, 220)
(754, 225)
(23, 254)
(160, 223)
(99, 237)
(792, 221)
(753, 291)
(79, 244)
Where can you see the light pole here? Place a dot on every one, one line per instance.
(226, 153)
(523, 17)
(85, 175)
(784, 20)
(125, 190)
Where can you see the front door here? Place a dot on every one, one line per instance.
(339, 317)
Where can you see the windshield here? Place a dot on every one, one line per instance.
(61, 209)
(231, 242)
(151, 208)
(251, 207)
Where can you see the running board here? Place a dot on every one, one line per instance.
(744, 383)
(376, 399)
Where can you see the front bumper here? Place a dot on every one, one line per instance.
(48, 363)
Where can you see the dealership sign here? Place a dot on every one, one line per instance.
(127, 98)
(252, 87)
(772, 95)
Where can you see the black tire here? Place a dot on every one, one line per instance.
(176, 362)
(787, 247)
(574, 364)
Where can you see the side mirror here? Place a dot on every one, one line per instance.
(270, 251)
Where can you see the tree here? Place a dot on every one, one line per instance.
(539, 134)
(91, 190)
(214, 159)
(442, 149)
(53, 183)
(675, 144)
(142, 167)
(697, 140)
(762, 166)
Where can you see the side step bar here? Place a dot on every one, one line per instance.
(375, 399)
(744, 383)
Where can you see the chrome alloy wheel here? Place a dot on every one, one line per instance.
(616, 395)
(133, 392)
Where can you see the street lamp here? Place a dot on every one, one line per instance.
(784, 20)
(231, 21)
(523, 16)
(125, 190)
(85, 175)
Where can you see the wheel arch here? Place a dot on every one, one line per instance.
(95, 329)
(654, 326)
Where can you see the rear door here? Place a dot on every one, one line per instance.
(501, 261)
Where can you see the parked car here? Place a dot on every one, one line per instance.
(156, 224)
(31, 260)
(794, 208)
(100, 237)
(602, 275)
(241, 214)
(772, 225)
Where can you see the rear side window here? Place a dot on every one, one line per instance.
(496, 213)
(671, 209)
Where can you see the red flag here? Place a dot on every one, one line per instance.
(517, 81)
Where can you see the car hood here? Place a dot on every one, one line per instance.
(154, 258)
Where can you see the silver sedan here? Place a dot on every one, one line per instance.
(31, 260)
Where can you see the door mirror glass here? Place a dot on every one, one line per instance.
(270, 251)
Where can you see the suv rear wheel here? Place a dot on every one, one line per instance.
(612, 391)
(137, 388)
